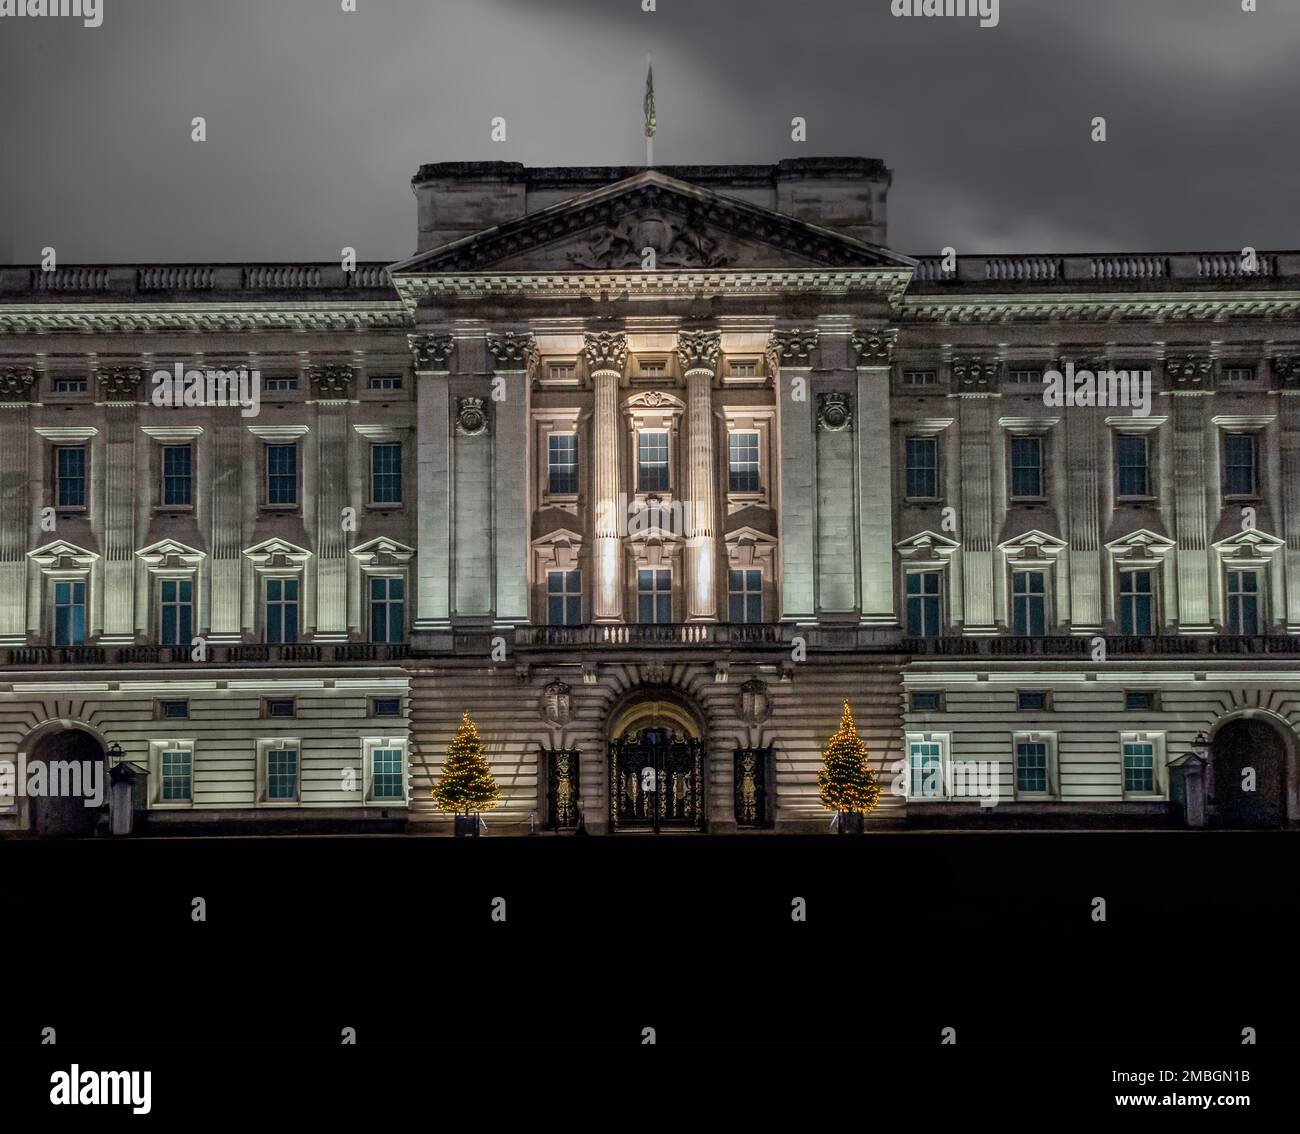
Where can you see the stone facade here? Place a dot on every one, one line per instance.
(683, 450)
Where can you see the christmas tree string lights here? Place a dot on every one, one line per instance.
(467, 785)
(846, 781)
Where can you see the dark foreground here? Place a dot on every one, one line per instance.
(905, 935)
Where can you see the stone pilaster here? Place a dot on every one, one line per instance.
(789, 358)
(698, 351)
(332, 386)
(1287, 373)
(874, 348)
(1191, 381)
(119, 390)
(17, 389)
(974, 383)
(513, 356)
(432, 357)
(606, 354)
(225, 540)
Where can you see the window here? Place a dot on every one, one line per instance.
(652, 366)
(384, 382)
(1025, 377)
(742, 368)
(1239, 374)
(281, 385)
(282, 474)
(1135, 602)
(1139, 766)
(562, 463)
(386, 777)
(69, 385)
(282, 773)
(176, 612)
(1031, 766)
(385, 706)
(386, 473)
(281, 611)
(1031, 700)
(70, 475)
(745, 591)
(69, 612)
(920, 377)
(652, 461)
(923, 604)
(1139, 699)
(742, 462)
(1243, 603)
(387, 608)
(922, 468)
(176, 784)
(925, 701)
(1028, 604)
(564, 598)
(1239, 464)
(172, 710)
(563, 371)
(177, 476)
(925, 758)
(1027, 467)
(279, 707)
(654, 595)
(1131, 472)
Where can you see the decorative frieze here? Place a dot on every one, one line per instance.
(874, 346)
(431, 352)
(605, 350)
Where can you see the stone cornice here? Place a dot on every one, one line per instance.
(1100, 308)
(131, 318)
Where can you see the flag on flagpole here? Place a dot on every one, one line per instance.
(650, 120)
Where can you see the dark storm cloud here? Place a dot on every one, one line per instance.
(317, 118)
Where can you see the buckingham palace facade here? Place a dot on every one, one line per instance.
(655, 469)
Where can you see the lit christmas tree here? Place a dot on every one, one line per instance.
(847, 783)
(467, 786)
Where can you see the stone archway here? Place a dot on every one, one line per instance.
(72, 765)
(1251, 766)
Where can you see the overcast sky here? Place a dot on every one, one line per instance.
(317, 118)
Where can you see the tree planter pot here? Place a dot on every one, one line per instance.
(467, 825)
(850, 823)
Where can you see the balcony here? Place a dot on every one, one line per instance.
(674, 634)
(1081, 646)
(24, 657)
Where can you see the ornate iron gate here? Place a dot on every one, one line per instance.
(656, 782)
(751, 766)
(562, 766)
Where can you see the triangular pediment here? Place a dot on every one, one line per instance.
(689, 228)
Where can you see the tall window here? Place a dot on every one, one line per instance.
(923, 604)
(562, 463)
(282, 773)
(652, 461)
(1027, 466)
(387, 608)
(281, 611)
(1031, 766)
(177, 472)
(386, 782)
(282, 474)
(177, 779)
(563, 598)
(1239, 475)
(69, 612)
(925, 757)
(1139, 766)
(176, 614)
(1028, 603)
(654, 594)
(386, 473)
(922, 467)
(1243, 603)
(745, 592)
(70, 475)
(742, 462)
(1131, 473)
(1136, 602)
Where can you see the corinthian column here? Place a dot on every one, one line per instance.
(606, 352)
(698, 351)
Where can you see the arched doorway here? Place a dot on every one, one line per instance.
(73, 769)
(656, 765)
(1249, 752)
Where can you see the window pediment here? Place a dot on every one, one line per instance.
(382, 552)
(559, 550)
(926, 547)
(1032, 548)
(170, 554)
(1141, 548)
(1249, 548)
(277, 554)
(60, 555)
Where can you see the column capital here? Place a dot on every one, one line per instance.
(605, 350)
(874, 346)
(332, 381)
(1190, 371)
(512, 350)
(16, 384)
(119, 384)
(431, 352)
(1287, 368)
(699, 350)
(975, 375)
(793, 347)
